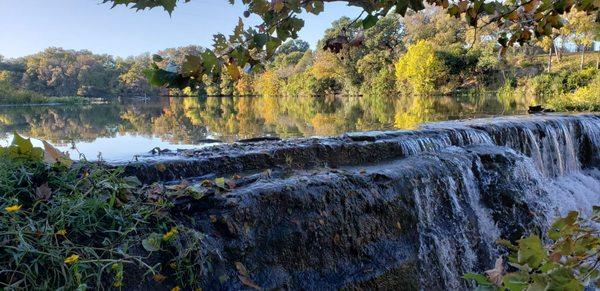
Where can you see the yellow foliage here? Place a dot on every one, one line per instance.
(169, 234)
(268, 84)
(13, 208)
(326, 65)
(583, 99)
(72, 259)
(420, 67)
(244, 85)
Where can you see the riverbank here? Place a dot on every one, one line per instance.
(364, 210)
(42, 100)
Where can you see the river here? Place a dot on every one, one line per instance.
(122, 128)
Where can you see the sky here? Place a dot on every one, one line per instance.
(30, 26)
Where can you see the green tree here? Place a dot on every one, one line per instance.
(292, 45)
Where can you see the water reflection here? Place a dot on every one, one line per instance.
(133, 126)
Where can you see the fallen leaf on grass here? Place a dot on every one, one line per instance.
(43, 192)
(52, 155)
(248, 282)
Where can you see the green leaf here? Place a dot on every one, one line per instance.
(152, 242)
(369, 21)
(564, 226)
(191, 65)
(209, 61)
(480, 279)
(23, 145)
(196, 191)
(169, 5)
(318, 7)
(516, 281)
(220, 182)
(157, 58)
(563, 279)
(260, 39)
(531, 251)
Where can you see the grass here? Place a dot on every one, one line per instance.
(12, 96)
(83, 225)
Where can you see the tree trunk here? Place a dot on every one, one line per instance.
(557, 52)
(549, 60)
(582, 55)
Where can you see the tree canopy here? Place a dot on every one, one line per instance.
(247, 48)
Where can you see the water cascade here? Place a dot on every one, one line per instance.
(403, 209)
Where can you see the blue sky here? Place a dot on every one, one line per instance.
(29, 26)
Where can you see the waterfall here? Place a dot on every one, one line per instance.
(382, 210)
(551, 151)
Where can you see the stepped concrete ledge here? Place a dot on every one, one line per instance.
(401, 210)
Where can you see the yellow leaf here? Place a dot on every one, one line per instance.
(278, 6)
(170, 233)
(233, 71)
(176, 288)
(13, 208)
(72, 259)
(159, 277)
(241, 268)
(62, 232)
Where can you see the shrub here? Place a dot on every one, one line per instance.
(569, 262)
(586, 98)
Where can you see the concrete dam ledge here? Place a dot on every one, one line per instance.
(403, 210)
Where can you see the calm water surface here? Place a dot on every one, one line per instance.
(126, 127)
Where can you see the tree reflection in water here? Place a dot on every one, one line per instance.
(191, 120)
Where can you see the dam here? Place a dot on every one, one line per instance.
(410, 210)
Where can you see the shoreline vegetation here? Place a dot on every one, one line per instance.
(10, 96)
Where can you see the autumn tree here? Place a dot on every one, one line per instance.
(547, 43)
(582, 30)
(420, 67)
(249, 48)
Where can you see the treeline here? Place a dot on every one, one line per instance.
(60, 72)
(429, 52)
(424, 53)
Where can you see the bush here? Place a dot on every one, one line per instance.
(570, 262)
(586, 98)
(325, 86)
